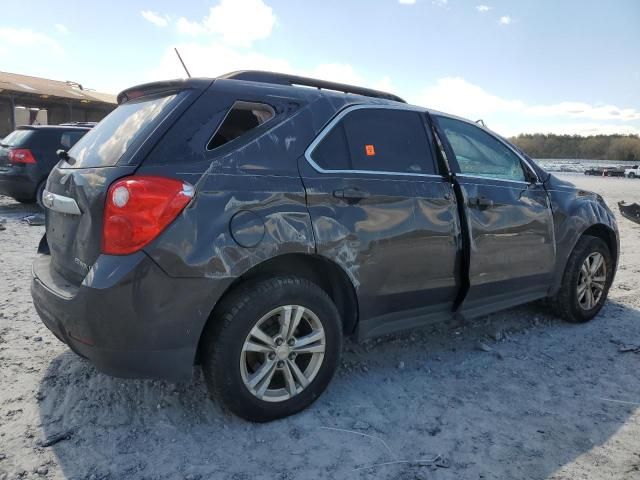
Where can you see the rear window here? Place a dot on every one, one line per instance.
(103, 145)
(69, 139)
(16, 138)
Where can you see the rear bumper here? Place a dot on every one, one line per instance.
(128, 317)
(17, 184)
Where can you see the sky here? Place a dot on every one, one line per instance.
(526, 66)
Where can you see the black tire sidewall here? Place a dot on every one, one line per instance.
(227, 341)
(586, 246)
(39, 192)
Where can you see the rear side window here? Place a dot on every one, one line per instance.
(104, 144)
(379, 140)
(241, 118)
(332, 153)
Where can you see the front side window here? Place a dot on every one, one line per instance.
(379, 140)
(479, 153)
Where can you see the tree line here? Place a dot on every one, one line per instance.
(595, 147)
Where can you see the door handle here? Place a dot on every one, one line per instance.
(481, 202)
(351, 194)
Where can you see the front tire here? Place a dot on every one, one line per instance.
(632, 175)
(586, 281)
(272, 348)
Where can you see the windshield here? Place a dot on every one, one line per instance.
(109, 140)
(15, 138)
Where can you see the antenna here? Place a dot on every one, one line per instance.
(182, 62)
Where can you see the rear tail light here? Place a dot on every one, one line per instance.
(138, 209)
(21, 156)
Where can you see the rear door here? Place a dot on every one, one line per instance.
(76, 190)
(382, 211)
(512, 247)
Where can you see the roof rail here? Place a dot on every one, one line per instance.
(78, 124)
(286, 79)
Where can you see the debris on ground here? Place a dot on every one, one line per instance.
(629, 348)
(42, 470)
(34, 220)
(56, 438)
(360, 425)
(630, 211)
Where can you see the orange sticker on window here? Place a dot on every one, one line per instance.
(370, 150)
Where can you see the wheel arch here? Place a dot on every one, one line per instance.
(607, 235)
(318, 269)
(599, 230)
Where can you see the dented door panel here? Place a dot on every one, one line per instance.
(512, 238)
(399, 245)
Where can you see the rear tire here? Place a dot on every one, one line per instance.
(254, 355)
(39, 193)
(632, 175)
(584, 287)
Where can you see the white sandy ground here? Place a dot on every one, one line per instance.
(516, 395)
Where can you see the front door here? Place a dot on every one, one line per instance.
(512, 247)
(382, 212)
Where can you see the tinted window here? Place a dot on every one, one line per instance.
(243, 117)
(382, 140)
(103, 145)
(479, 153)
(69, 139)
(332, 153)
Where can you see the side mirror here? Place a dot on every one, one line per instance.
(64, 155)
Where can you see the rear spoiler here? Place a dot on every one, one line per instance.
(165, 86)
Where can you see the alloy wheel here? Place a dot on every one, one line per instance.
(282, 353)
(591, 281)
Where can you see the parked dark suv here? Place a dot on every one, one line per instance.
(28, 154)
(247, 224)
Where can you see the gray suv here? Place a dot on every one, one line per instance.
(248, 223)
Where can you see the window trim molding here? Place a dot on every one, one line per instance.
(334, 121)
(492, 179)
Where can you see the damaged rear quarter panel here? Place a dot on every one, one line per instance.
(202, 244)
